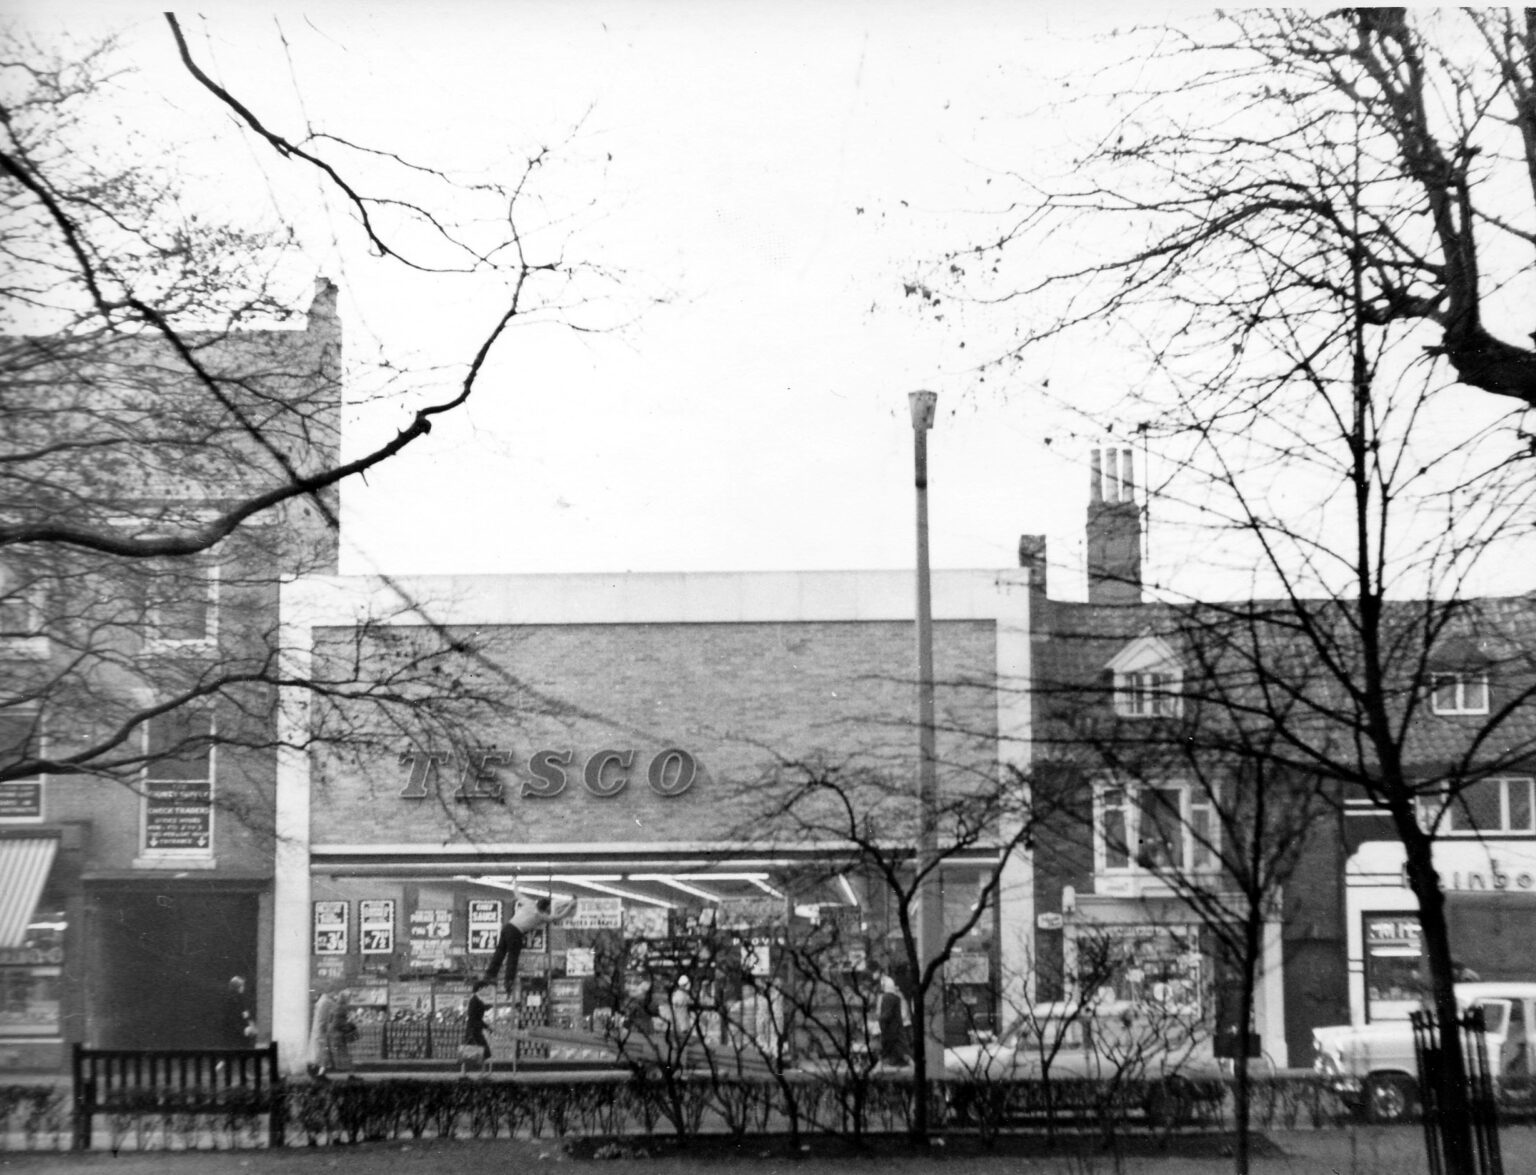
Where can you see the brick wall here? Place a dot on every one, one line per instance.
(740, 697)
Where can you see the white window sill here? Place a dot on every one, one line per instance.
(174, 863)
(25, 648)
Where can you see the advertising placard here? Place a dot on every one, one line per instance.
(596, 914)
(431, 937)
(177, 814)
(376, 926)
(484, 925)
(21, 800)
(330, 928)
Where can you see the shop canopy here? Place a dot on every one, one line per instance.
(24, 866)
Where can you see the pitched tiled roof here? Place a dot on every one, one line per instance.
(1301, 663)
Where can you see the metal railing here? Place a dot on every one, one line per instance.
(1467, 1033)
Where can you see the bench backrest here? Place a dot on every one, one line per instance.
(114, 1072)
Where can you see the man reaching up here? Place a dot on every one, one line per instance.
(526, 915)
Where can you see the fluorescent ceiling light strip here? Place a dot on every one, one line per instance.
(766, 888)
(853, 898)
(663, 879)
(622, 893)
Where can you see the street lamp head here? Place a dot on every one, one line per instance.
(923, 405)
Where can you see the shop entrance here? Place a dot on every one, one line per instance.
(161, 964)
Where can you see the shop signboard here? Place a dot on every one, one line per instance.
(376, 926)
(177, 814)
(21, 799)
(484, 925)
(330, 928)
(596, 914)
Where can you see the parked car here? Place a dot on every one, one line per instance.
(1373, 1068)
(1157, 1061)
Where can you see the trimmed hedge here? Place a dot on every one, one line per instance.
(351, 1110)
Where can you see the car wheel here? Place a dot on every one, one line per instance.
(1390, 1098)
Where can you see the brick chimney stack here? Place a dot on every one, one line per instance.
(1114, 529)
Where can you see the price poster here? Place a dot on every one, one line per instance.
(330, 928)
(376, 926)
(431, 935)
(484, 925)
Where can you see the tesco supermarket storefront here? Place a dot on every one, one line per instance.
(645, 716)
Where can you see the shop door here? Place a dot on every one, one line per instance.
(163, 963)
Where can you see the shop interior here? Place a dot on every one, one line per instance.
(637, 949)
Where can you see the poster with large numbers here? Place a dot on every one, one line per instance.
(432, 938)
(330, 928)
(376, 926)
(484, 925)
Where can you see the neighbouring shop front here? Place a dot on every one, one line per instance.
(638, 790)
(1490, 892)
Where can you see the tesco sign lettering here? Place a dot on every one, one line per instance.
(546, 774)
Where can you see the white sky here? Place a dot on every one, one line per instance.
(756, 416)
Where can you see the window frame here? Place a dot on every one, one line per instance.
(149, 853)
(1447, 809)
(1459, 680)
(1196, 857)
(153, 637)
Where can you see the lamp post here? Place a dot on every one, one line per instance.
(930, 911)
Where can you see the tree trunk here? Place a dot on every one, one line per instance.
(1455, 1112)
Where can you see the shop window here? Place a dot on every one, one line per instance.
(1460, 693)
(177, 807)
(21, 615)
(31, 978)
(21, 798)
(1488, 806)
(1160, 966)
(181, 603)
(1394, 984)
(1148, 681)
(1158, 829)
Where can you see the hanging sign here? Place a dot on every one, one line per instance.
(330, 928)
(596, 914)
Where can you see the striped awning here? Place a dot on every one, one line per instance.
(24, 866)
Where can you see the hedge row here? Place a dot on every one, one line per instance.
(349, 1110)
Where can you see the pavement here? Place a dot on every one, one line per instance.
(1348, 1151)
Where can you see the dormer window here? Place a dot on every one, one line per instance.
(1149, 682)
(1459, 693)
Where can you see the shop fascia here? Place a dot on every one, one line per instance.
(479, 774)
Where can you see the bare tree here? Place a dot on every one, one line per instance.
(172, 447)
(1315, 205)
(868, 823)
(1192, 786)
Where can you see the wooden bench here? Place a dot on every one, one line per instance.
(178, 1081)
